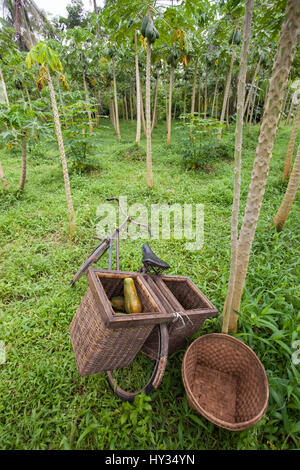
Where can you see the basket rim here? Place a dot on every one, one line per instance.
(106, 312)
(225, 424)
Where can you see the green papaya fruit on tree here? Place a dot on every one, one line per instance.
(144, 25)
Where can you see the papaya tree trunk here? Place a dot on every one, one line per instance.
(199, 99)
(126, 106)
(252, 109)
(226, 93)
(285, 100)
(142, 110)
(2, 178)
(227, 114)
(241, 91)
(117, 126)
(130, 102)
(4, 88)
(148, 112)
(170, 105)
(278, 82)
(214, 98)
(256, 72)
(290, 150)
(217, 104)
(205, 95)
(138, 93)
(166, 103)
(287, 122)
(60, 101)
(112, 112)
(24, 161)
(62, 154)
(193, 97)
(87, 102)
(290, 194)
(155, 103)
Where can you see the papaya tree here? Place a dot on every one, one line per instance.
(238, 158)
(150, 32)
(47, 59)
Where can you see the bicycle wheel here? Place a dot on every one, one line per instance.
(143, 373)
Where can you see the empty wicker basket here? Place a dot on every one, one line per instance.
(225, 381)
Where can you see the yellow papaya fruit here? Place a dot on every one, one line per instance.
(118, 303)
(132, 301)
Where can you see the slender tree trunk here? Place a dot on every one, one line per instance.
(290, 150)
(238, 160)
(226, 93)
(285, 100)
(124, 109)
(205, 95)
(289, 197)
(281, 68)
(227, 113)
(23, 170)
(252, 109)
(249, 106)
(88, 103)
(116, 101)
(111, 111)
(199, 99)
(256, 72)
(142, 111)
(148, 112)
(170, 106)
(130, 102)
(287, 122)
(166, 103)
(138, 93)
(155, 103)
(2, 178)
(217, 104)
(193, 97)
(4, 88)
(214, 98)
(62, 154)
(60, 101)
(257, 106)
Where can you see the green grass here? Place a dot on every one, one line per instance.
(44, 403)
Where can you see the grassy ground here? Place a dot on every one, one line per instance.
(44, 403)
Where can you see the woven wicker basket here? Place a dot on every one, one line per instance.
(102, 340)
(179, 294)
(225, 381)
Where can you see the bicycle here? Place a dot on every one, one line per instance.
(148, 372)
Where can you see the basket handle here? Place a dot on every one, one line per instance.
(158, 372)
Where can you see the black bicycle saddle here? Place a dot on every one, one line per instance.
(151, 261)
